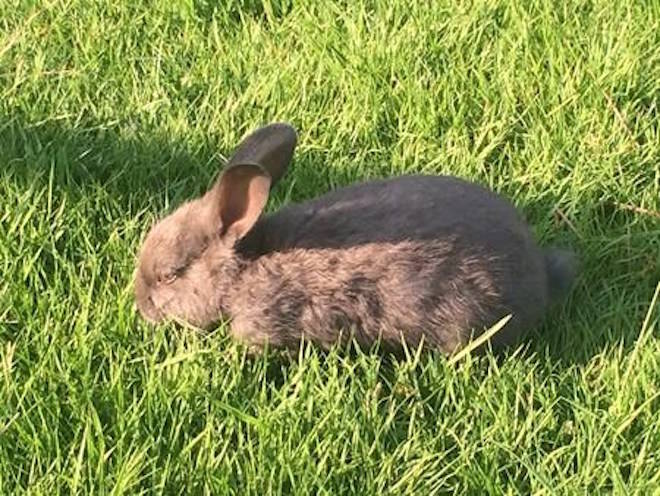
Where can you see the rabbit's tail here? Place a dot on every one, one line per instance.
(562, 267)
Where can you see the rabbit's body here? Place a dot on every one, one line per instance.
(412, 258)
(455, 259)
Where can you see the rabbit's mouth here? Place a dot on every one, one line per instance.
(149, 311)
(145, 304)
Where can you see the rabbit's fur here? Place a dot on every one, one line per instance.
(414, 258)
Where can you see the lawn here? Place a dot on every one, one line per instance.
(112, 113)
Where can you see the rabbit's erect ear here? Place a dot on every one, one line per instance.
(238, 198)
(270, 147)
(240, 195)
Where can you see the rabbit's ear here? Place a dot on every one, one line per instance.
(270, 147)
(238, 199)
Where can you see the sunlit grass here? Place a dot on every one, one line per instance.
(113, 112)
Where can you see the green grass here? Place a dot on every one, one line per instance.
(113, 112)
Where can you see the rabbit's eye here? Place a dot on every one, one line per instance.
(167, 277)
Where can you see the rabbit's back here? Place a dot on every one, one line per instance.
(415, 207)
(429, 256)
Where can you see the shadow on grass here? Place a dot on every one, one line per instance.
(138, 170)
(129, 166)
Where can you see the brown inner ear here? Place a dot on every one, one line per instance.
(242, 195)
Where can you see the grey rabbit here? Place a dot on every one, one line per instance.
(415, 259)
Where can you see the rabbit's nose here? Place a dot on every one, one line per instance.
(145, 303)
(148, 310)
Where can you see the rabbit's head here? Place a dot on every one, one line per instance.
(188, 262)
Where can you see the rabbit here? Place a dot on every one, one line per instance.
(406, 261)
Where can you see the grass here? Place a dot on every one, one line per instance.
(113, 112)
